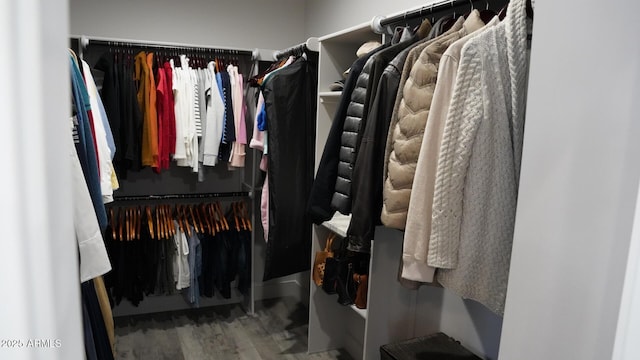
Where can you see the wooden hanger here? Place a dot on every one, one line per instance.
(245, 215)
(203, 218)
(166, 217)
(172, 225)
(189, 213)
(133, 223)
(186, 219)
(120, 221)
(127, 225)
(203, 223)
(223, 219)
(113, 224)
(138, 221)
(178, 218)
(240, 214)
(163, 222)
(157, 214)
(209, 213)
(234, 212)
(147, 211)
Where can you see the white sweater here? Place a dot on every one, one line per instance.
(105, 166)
(477, 175)
(416, 248)
(94, 260)
(215, 118)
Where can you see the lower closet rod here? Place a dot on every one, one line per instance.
(233, 194)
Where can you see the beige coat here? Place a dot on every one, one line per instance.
(416, 247)
(407, 128)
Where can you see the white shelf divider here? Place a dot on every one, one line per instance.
(338, 224)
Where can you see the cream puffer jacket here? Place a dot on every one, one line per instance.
(410, 119)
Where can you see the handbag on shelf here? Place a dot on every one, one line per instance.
(319, 264)
(361, 293)
(348, 265)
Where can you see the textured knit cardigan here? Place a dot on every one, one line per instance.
(418, 229)
(477, 178)
(406, 130)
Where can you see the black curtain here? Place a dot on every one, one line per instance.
(290, 101)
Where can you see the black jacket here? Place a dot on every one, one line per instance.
(319, 204)
(290, 97)
(341, 200)
(354, 124)
(367, 172)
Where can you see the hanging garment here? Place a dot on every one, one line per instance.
(214, 120)
(132, 116)
(146, 100)
(171, 119)
(324, 185)
(418, 229)
(208, 275)
(263, 145)
(366, 187)
(195, 269)
(239, 152)
(356, 117)
(85, 146)
(163, 109)
(478, 168)
(181, 274)
(118, 92)
(181, 110)
(110, 99)
(226, 249)
(97, 343)
(229, 134)
(104, 152)
(94, 260)
(244, 261)
(407, 129)
(187, 112)
(290, 98)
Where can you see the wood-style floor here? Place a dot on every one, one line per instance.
(277, 331)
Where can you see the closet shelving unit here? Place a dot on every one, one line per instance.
(393, 313)
(331, 325)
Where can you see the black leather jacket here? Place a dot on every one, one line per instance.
(368, 169)
(319, 205)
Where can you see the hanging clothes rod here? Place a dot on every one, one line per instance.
(379, 23)
(312, 44)
(233, 194)
(86, 41)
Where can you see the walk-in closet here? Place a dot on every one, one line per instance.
(320, 179)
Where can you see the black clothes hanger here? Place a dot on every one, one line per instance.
(487, 14)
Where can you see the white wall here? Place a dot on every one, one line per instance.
(38, 261)
(267, 24)
(324, 17)
(579, 182)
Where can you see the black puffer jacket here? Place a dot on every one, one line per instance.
(351, 137)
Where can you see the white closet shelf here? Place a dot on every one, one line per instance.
(361, 312)
(338, 224)
(330, 97)
(330, 93)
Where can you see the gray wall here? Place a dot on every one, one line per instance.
(324, 17)
(267, 24)
(578, 184)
